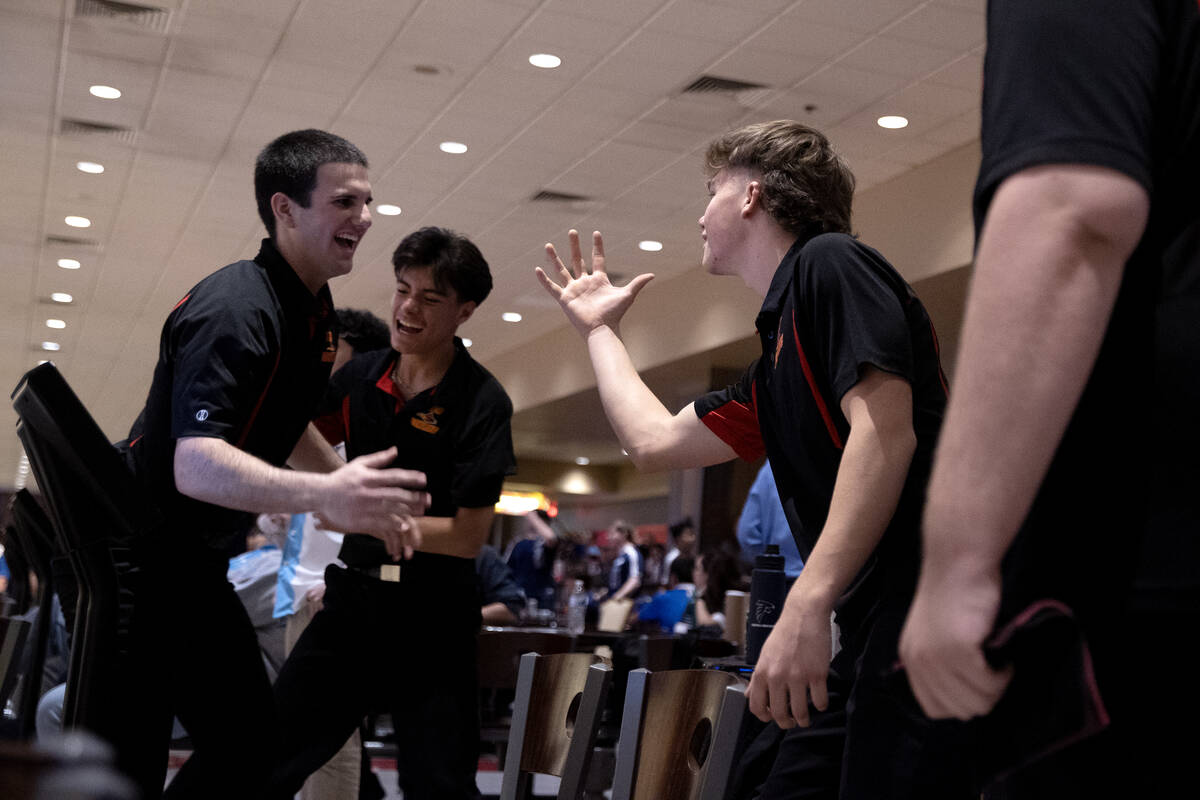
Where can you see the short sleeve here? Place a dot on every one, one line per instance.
(1095, 107)
(730, 414)
(852, 313)
(333, 412)
(484, 455)
(224, 358)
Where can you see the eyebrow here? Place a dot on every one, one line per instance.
(434, 290)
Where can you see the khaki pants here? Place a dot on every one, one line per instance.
(338, 778)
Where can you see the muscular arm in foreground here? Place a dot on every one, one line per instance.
(1047, 272)
(359, 496)
(654, 438)
(794, 663)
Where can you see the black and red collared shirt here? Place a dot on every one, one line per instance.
(245, 357)
(834, 307)
(458, 433)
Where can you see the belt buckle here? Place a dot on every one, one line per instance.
(389, 573)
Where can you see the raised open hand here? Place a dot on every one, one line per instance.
(588, 298)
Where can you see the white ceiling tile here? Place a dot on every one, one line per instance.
(108, 39)
(899, 57)
(941, 26)
(965, 72)
(774, 68)
(866, 16)
(807, 38)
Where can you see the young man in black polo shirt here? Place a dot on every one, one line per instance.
(243, 361)
(401, 637)
(1068, 468)
(846, 400)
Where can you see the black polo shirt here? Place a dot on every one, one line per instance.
(458, 433)
(834, 307)
(245, 357)
(1124, 478)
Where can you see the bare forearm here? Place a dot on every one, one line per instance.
(497, 614)
(1046, 279)
(627, 588)
(654, 438)
(313, 454)
(461, 535)
(214, 471)
(869, 483)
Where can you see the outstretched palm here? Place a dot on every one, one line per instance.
(588, 298)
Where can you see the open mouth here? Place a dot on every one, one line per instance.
(346, 241)
(400, 326)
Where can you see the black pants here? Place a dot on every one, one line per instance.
(406, 648)
(1146, 669)
(193, 654)
(872, 741)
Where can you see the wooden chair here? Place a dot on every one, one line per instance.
(679, 733)
(555, 719)
(498, 662)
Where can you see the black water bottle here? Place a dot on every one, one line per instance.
(768, 588)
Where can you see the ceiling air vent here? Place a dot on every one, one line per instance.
(80, 128)
(711, 84)
(744, 93)
(550, 196)
(147, 18)
(73, 242)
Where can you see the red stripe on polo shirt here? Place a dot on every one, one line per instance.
(182, 301)
(812, 386)
(736, 424)
(257, 406)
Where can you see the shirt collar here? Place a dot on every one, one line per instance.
(385, 383)
(768, 315)
(287, 284)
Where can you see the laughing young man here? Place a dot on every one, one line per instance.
(400, 637)
(243, 361)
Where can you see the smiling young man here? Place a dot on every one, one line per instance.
(385, 625)
(846, 400)
(243, 361)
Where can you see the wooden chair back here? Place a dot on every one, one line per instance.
(555, 718)
(679, 734)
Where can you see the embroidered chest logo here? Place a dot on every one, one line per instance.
(427, 420)
(778, 343)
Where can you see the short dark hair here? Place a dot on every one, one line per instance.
(290, 163)
(681, 526)
(806, 186)
(682, 569)
(453, 259)
(362, 330)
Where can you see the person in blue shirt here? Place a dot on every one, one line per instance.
(670, 608)
(763, 522)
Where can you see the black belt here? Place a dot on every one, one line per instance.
(389, 573)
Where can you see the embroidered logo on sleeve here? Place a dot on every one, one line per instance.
(202, 415)
(427, 420)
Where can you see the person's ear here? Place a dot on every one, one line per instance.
(465, 311)
(283, 207)
(751, 198)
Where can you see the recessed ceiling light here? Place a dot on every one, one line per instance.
(61, 297)
(52, 346)
(510, 316)
(453, 147)
(467, 342)
(78, 222)
(388, 210)
(583, 461)
(90, 167)
(57, 324)
(105, 92)
(68, 263)
(545, 60)
(892, 122)
(650, 246)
